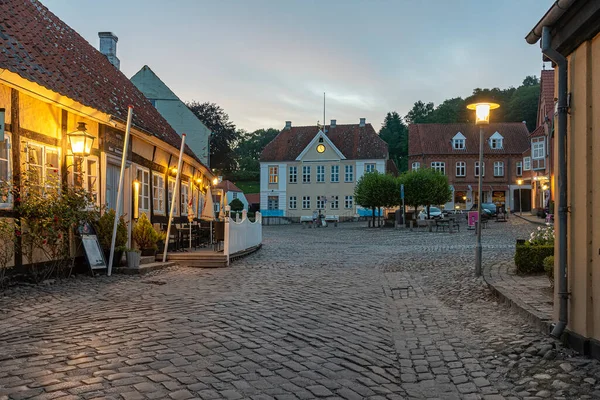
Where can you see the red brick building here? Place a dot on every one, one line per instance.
(453, 149)
(539, 160)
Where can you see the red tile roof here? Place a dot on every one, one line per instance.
(228, 186)
(253, 198)
(437, 138)
(41, 48)
(355, 142)
(539, 131)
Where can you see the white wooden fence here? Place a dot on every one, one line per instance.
(242, 234)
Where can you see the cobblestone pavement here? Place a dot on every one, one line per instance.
(344, 313)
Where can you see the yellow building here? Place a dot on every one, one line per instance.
(54, 83)
(570, 38)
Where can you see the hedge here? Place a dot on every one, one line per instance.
(529, 259)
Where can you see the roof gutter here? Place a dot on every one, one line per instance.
(557, 10)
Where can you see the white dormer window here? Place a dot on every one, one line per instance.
(496, 141)
(459, 141)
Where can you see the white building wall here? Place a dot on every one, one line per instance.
(264, 188)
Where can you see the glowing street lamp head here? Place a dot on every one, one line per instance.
(519, 182)
(215, 181)
(482, 111)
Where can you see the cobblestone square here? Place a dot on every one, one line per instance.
(340, 313)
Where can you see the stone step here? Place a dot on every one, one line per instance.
(147, 260)
(145, 268)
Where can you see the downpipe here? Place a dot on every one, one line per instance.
(561, 172)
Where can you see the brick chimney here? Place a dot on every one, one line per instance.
(108, 47)
(332, 125)
(363, 122)
(288, 125)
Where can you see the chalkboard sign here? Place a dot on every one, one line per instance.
(93, 252)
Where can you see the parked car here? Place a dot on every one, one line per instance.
(434, 212)
(488, 210)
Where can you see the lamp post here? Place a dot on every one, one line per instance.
(482, 117)
(81, 146)
(520, 182)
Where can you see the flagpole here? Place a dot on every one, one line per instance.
(174, 197)
(324, 123)
(119, 191)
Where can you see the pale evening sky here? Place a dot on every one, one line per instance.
(269, 61)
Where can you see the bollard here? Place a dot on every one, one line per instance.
(411, 225)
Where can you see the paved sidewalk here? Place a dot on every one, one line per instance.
(531, 218)
(529, 293)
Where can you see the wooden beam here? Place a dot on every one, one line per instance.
(15, 126)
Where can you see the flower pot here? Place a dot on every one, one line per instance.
(148, 252)
(116, 260)
(133, 259)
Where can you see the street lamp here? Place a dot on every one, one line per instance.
(520, 182)
(81, 141)
(482, 117)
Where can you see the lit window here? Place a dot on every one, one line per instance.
(461, 168)
(43, 167)
(273, 174)
(170, 196)
(335, 173)
(185, 197)
(143, 176)
(498, 168)
(439, 167)
(158, 193)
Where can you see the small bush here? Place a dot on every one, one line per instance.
(529, 259)
(104, 229)
(549, 268)
(144, 234)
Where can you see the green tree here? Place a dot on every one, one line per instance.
(523, 106)
(425, 187)
(223, 134)
(236, 205)
(395, 133)
(531, 80)
(375, 190)
(250, 145)
(419, 113)
(451, 110)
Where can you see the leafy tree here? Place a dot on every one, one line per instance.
(395, 133)
(523, 106)
(531, 80)
(236, 205)
(451, 110)
(249, 147)
(419, 113)
(425, 187)
(375, 190)
(223, 134)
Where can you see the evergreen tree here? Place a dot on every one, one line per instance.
(395, 133)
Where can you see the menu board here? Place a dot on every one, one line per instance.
(91, 246)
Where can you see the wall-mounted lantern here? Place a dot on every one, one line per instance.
(215, 181)
(136, 199)
(81, 141)
(173, 171)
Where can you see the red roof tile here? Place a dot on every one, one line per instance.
(228, 186)
(539, 131)
(355, 142)
(253, 198)
(437, 138)
(547, 91)
(41, 48)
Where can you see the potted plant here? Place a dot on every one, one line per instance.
(145, 236)
(133, 258)
(104, 230)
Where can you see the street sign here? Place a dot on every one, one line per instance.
(473, 218)
(402, 191)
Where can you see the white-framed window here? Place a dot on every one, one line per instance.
(306, 202)
(234, 195)
(461, 168)
(273, 174)
(293, 174)
(158, 193)
(335, 173)
(143, 176)
(321, 202)
(293, 202)
(415, 166)
(185, 197)
(439, 167)
(477, 169)
(85, 175)
(538, 153)
(458, 144)
(335, 202)
(498, 168)
(519, 168)
(5, 172)
(170, 190)
(195, 200)
(320, 173)
(306, 174)
(370, 168)
(526, 163)
(349, 173)
(349, 202)
(496, 141)
(43, 166)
